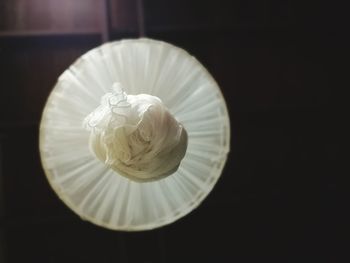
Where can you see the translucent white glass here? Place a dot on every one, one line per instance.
(99, 194)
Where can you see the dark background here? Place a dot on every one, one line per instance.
(276, 64)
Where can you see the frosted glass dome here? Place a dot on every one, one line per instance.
(100, 194)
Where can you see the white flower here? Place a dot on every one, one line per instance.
(136, 135)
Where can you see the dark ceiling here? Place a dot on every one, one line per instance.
(274, 61)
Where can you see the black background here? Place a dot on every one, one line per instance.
(276, 62)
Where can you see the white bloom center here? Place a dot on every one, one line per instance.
(136, 135)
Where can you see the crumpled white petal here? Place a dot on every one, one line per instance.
(136, 135)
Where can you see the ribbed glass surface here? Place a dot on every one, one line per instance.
(99, 194)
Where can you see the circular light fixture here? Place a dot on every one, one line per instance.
(144, 153)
